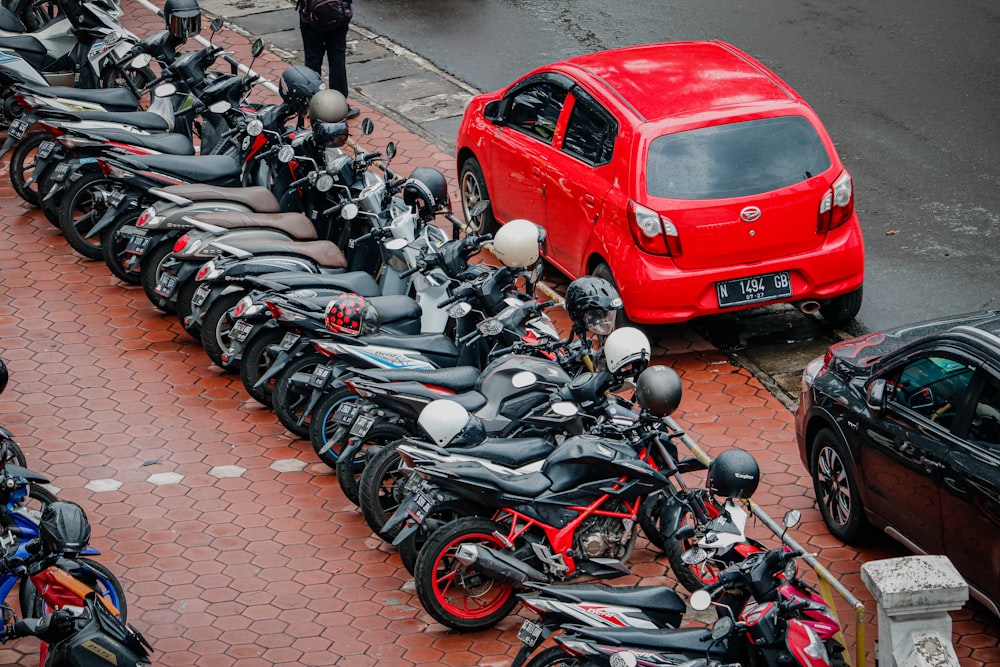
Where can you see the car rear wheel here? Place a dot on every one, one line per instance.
(836, 487)
(842, 309)
(473, 187)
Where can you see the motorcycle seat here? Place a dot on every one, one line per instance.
(191, 167)
(358, 282)
(256, 197)
(656, 598)
(112, 99)
(470, 400)
(393, 308)
(170, 144)
(24, 44)
(521, 485)
(143, 120)
(296, 225)
(689, 641)
(459, 378)
(511, 452)
(436, 344)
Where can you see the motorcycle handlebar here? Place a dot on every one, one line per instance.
(301, 181)
(409, 272)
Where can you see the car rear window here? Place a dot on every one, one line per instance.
(735, 160)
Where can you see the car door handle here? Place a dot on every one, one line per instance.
(589, 201)
(536, 171)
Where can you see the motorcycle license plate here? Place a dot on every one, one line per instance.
(755, 289)
(530, 633)
(319, 376)
(240, 331)
(361, 426)
(166, 285)
(60, 172)
(287, 342)
(420, 503)
(17, 129)
(200, 295)
(138, 242)
(346, 413)
(115, 198)
(45, 149)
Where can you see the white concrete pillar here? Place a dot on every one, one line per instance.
(914, 595)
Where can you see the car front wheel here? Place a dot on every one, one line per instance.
(473, 187)
(836, 487)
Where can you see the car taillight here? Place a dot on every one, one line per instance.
(182, 243)
(837, 205)
(652, 232)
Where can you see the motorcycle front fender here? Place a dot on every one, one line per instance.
(670, 517)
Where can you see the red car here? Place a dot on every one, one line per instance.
(687, 173)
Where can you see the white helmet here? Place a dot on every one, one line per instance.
(517, 243)
(627, 350)
(447, 422)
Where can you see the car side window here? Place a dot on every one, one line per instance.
(590, 131)
(985, 426)
(933, 387)
(535, 109)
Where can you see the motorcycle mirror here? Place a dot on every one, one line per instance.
(523, 379)
(367, 126)
(324, 182)
(255, 127)
(257, 47)
(700, 600)
(165, 90)
(222, 106)
(285, 154)
(493, 327)
(623, 659)
(565, 409)
(141, 60)
(217, 23)
(722, 627)
(479, 208)
(112, 38)
(459, 310)
(396, 244)
(349, 211)
(791, 518)
(694, 556)
(390, 150)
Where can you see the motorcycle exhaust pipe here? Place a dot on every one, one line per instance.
(810, 307)
(505, 569)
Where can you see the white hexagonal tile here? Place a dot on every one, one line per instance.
(288, 465)
(99, 485)
(227, 471)
(161, 478)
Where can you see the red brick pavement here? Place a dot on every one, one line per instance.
(234, 544)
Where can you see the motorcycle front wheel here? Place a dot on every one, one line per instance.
(553, 656)
(691, 577)
(456, 595)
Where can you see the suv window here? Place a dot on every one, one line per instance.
(535, 109)
(590, 131)
(933, 387)
(735, 160)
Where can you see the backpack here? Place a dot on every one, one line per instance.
(325, 14)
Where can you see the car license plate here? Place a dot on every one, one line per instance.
(361, 426)
(319, 376)
(166, 285)
(530, 633)
(240, 331)
(200, 295)
(17, 129)
(345, 413)
(287, 342)
(45, 149)
(755, 289)
(60, 172)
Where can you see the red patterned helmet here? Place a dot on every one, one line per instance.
(351, 315)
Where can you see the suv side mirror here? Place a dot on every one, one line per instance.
(875, 396)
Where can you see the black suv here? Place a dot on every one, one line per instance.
(900, 430)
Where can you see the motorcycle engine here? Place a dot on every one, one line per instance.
(604, 537)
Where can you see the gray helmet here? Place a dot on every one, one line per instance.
(658, 390)
(182, 18)
(327, 106)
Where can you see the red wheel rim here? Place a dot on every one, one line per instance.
(461, 590)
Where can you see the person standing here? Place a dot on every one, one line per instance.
(324, 25)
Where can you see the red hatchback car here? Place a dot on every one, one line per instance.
(687, 173)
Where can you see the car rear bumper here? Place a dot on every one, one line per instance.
(655, 291)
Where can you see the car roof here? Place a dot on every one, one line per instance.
(671, 78)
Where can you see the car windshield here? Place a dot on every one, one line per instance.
(735, 160)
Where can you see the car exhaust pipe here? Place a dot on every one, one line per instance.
(501, 567)
(810, 307)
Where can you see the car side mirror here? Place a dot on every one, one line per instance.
(875, 396)
(491, 111)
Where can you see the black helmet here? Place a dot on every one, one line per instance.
(427, 189)
(733, 474)
(330, 135)
(658, 390)
(182, 18)
(327, 106)
(64, 528)
(297, 86)
(592, 304)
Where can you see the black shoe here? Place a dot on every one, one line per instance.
(353, 112)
